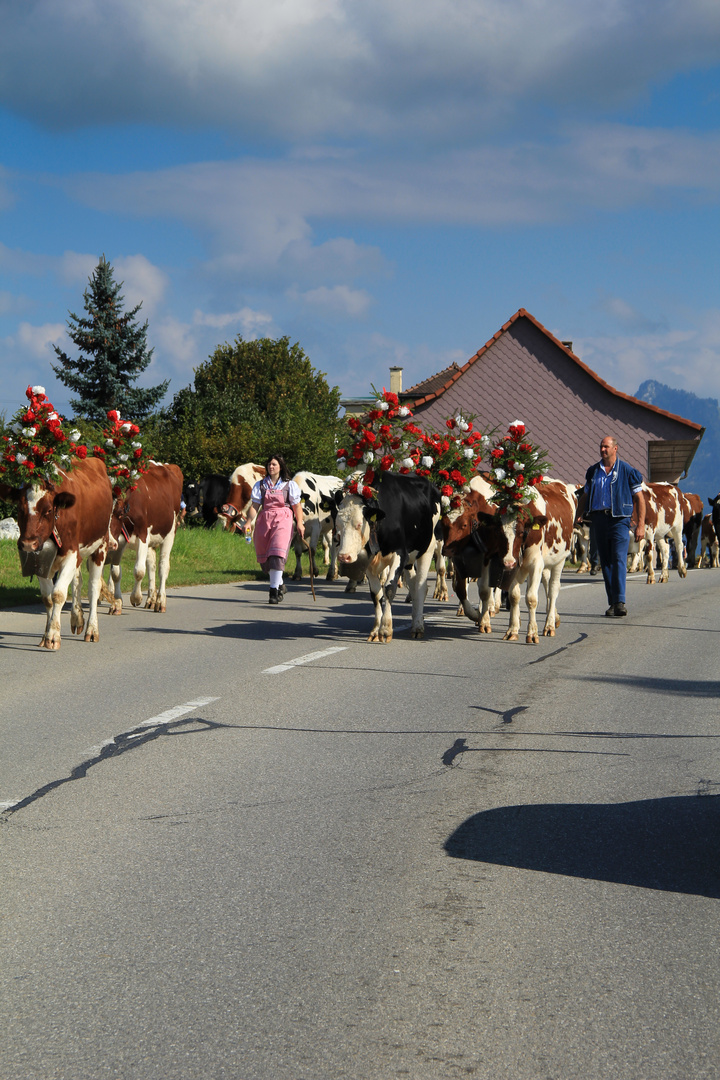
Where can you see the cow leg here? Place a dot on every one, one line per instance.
(139, 573)
(417, 586)
(552, 589)
(513, 629)
(489, 602)
(116, 578)
(152, 582)
(54, 597)
(441, 589)
(382, 628)
(681, 562)
(95, 565)
(465, 606)
(298, 549)
(532, 589)
(649, 556)
(77, 617)
(664, 549)
(163, 570)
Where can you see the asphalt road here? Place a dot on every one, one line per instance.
(240, 842)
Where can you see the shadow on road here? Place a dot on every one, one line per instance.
(671, 844)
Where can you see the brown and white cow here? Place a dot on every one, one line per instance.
(530, 546)
(709, 545)
(145, 520)
(692, 511)
(663, 521)
(475, 549)
(60, 526)
(238, 500)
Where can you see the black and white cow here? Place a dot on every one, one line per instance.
(316, 488)
(214, 490)
(385, 534)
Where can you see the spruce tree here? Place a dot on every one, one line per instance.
(113, 352)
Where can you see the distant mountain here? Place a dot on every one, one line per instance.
(704, 475)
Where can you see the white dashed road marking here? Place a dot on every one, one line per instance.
(307, 659)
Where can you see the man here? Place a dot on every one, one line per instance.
(614, 497)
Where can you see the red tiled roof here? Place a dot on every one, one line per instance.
(427, 396)
(435, 382)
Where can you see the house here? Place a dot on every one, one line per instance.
(525, 373)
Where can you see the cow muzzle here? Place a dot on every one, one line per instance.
(35, 560)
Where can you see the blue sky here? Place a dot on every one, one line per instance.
(385, 183)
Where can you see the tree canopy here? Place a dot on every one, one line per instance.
(251, 399)
(113, 354)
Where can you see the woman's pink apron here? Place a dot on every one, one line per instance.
(274, 525)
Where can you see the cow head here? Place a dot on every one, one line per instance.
(38, 508)
(236, 505)
(474, 521)
(520, 531)
(353, 520)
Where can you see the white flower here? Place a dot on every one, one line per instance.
(518, 466)
(445, 500)
(403, 411)
(74, 436)
(126, 427)
(133, 473)
(499, 474)
(368, 457)
(122, 457)
(20, 458)
(485, 442)
(28, 432)
(408, 463)
(341, 464)
(517, 423)
(136, 445)
(510, 484)
(109, 442)
(382, 405)
(53, 416)
(64, 458)
(37, 390)
(468, 452)
(427, 462)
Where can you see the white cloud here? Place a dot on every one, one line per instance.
(246, 321)
(306, 68)
(336, 300)
(37, 341)
(687, 358)
(142, 283)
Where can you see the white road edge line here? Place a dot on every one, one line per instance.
(307, 659)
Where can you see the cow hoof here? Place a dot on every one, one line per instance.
(77, 628)
(682, 573)
(330, 576)
(549, 631)
(92, 635)
(159, 607)
(135, 601)
(485, 628)
(116, 609)
(49, 643)
(418, 635)
(533, 639)
(509, 636)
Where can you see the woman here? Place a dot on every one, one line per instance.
(276, 501)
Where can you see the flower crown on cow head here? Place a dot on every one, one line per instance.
(386, 439)
(39, 448)
(517, 467)
(123, 453)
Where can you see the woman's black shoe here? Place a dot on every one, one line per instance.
(273, 597)
(281, 592)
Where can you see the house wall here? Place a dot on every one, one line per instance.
(524, 376)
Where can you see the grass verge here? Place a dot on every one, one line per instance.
(199, 557)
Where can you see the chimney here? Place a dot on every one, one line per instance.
(396, 380)
(567, 344)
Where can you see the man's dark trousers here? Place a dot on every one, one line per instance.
(612, 535)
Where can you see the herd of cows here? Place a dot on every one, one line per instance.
(393, 535)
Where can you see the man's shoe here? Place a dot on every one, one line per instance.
(620, 609)
(610, 611)
(593, 571)
(273, 599)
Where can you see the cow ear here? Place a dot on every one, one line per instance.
(64, 500)
(537, 521)
(373, 513)
(327, 502)
(713, 501)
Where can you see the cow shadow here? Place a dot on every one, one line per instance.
(670, 844)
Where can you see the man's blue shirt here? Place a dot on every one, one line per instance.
(614, 490)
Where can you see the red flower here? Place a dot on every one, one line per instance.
(367, 493)
(450, 424)
(446, 489)
(387, 462)
(457, 476)
(98, 452)
(30, 465)
(138, 452)
(444, 473)
(81, 451)
(519, 479)
(341, 453)
(114, 415)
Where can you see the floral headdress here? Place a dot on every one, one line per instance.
(38, 447)
(123, 454)
(387, 439)
(517, 467)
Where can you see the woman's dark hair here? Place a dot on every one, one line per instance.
(284, 474)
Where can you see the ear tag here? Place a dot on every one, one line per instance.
(536, 527)
(56, 537)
